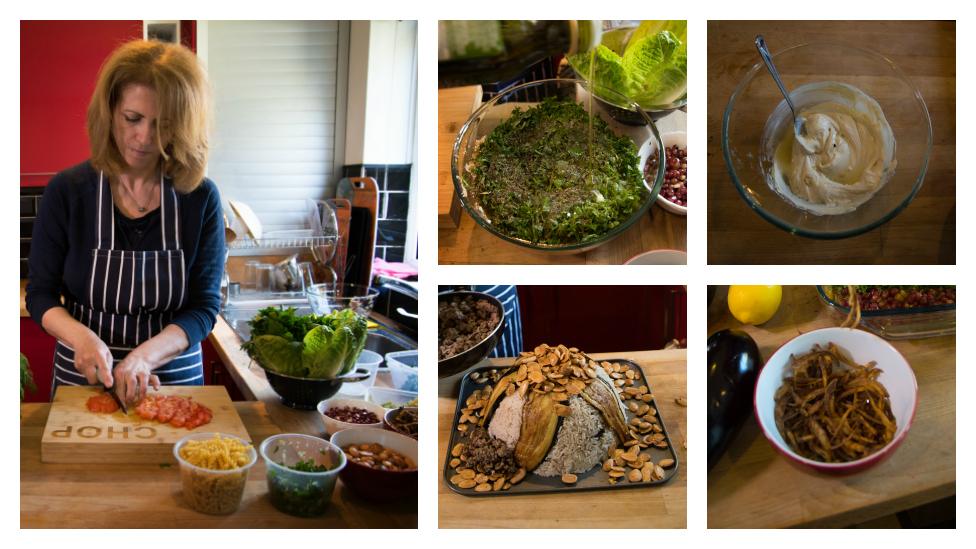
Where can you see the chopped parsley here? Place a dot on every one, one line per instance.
(536, 180)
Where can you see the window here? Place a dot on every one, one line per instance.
(279, 98)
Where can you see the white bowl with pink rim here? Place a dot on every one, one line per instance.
(863, 347)
(659, 257)
(669, 139)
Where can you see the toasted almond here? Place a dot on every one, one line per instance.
(455, 462)
(523, 389)
(632, 406)
(467, 474)
(630, 374)
(467, 483)
(646, 472)
(462, 428)
(518, 476)
(616, 473)
(608, 464)
(665, 463)
(506, 486)
(498, 484)
(483, 487)
(634, 475)
(658, 472)
(569, 478)
(481, 478)
(458, 448)
(647, 397)
(456, 479)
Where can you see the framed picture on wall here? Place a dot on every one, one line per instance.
(164, 31)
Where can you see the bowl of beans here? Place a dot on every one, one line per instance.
(381, 465)
(347, 413)
(674, 191)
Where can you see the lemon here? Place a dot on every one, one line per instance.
(754, 304)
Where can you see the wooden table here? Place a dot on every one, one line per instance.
(654, 507)
(466, 242)
(924, 233)
(149, 496)
(752, 486)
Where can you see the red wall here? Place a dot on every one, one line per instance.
(59, 61)
(601, 319)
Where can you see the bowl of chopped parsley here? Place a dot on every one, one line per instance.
(545, 166)
(302, 472)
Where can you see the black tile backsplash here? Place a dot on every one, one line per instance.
(28, 206)
(30, 203)
(393, 183)
(397, 204)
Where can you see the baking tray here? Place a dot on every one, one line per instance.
(594, 479)
(905, 323)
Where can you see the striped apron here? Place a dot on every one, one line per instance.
(132, 295)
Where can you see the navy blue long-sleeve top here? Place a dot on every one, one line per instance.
(64, 236)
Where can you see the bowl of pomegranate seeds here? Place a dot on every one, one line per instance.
(673, 196)
(346, 413)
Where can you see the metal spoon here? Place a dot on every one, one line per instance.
(768, 60)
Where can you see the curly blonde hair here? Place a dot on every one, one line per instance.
(184, 100)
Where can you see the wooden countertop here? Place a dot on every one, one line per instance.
(149, 496)
(654, 507)
(924, 233)
(469, 243)
(752, 486)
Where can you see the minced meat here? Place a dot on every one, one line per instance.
(489, 455)
(463, 322)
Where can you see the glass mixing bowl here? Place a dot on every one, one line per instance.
(755, 99)
(500, 107)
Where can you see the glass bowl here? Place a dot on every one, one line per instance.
(499, 108)
(757, 97)
(328, 297)
(900, 323)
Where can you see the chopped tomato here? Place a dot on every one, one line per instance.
(176, 410)
(102, 404)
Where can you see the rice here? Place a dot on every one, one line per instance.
(582, 442)
(506, 424)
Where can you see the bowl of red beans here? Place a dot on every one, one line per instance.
(346, 413)
(674, 190)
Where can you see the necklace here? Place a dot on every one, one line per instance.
(142, 208)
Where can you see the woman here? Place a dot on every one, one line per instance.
(128, 247)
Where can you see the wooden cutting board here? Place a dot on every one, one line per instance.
(75, 435)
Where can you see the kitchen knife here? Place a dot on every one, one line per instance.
(118, 400)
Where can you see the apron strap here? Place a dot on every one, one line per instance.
(105, 220)
(169, 214)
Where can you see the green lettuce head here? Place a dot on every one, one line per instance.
(652, 70)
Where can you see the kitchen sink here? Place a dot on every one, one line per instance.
(381, 340)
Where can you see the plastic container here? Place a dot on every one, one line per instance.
(301, 493)
(390, 398)
(371, 361)
(211, 491)
(403, 370)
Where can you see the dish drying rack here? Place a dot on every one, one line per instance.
(279, 244)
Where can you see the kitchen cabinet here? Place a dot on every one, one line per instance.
(59, 62)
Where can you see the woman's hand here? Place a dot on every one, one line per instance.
(93, 359)
(134, 376)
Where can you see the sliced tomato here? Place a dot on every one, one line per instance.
(101, 404)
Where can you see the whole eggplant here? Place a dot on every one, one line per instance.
(733, 365)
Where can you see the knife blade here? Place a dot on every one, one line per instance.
(118, 400)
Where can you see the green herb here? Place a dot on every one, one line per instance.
(308, 466)
(309, 346)
(538, 177)
(302, 497)
(26, 377)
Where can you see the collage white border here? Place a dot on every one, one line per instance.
(696, 275)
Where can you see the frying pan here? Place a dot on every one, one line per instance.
(466, 359)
